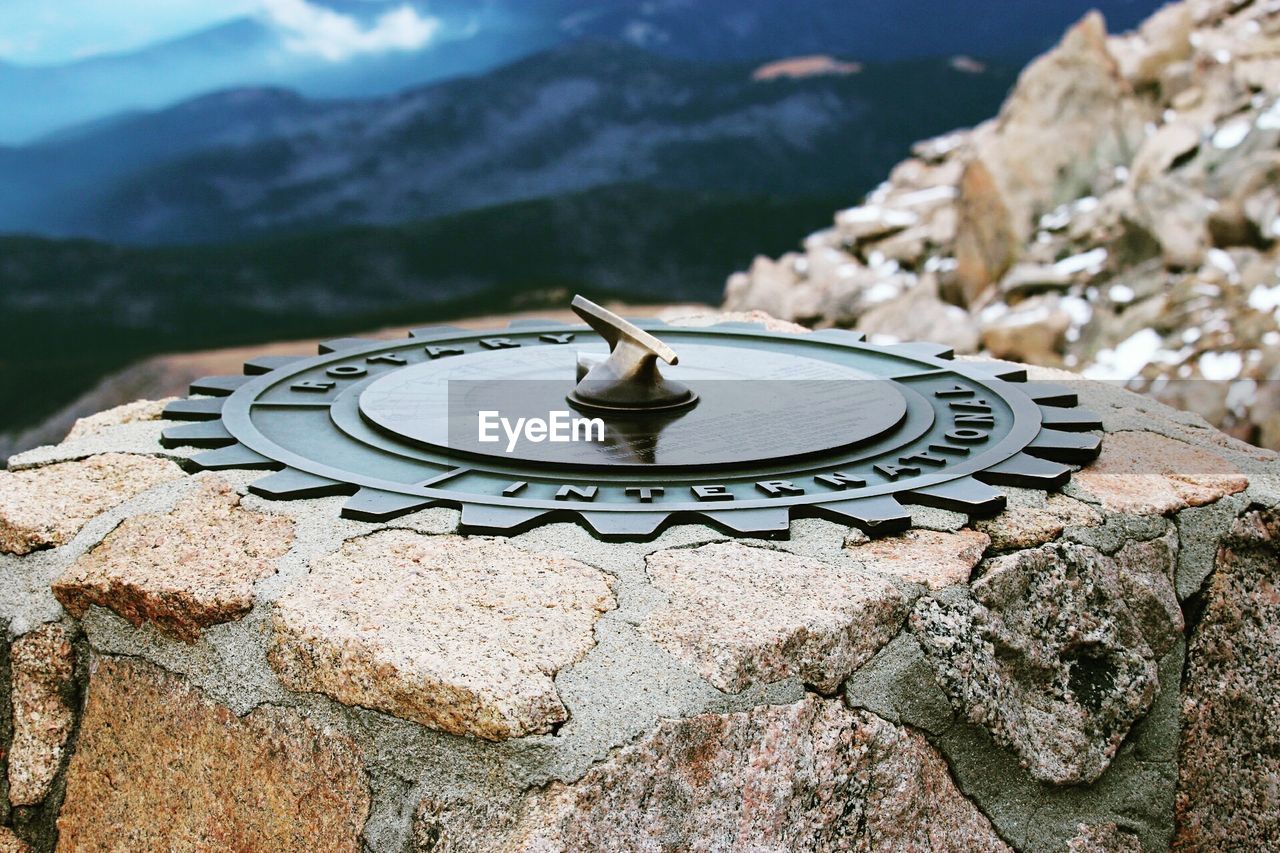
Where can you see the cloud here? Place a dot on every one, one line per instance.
(317, 31)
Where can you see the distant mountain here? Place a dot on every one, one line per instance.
(245, 163)
(106, 306)
(477, 36)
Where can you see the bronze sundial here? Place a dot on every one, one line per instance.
(731, 425)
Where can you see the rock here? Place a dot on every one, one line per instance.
(861, 224)
(771, 323)
(1164, 38)
(813, 775)
(1065, 123)
(184, 570)
(1228, 798)
(1103, 838)
(1034, 518)
(139, 410)
(745, 615)
(767, 287)
(987, 242)
(1143, 473)
(43, 665)
(1025, 279)
(923, 556)
(459, 634)
(46, 507)
(1056, 653)
(1160, 150)
(10, 843)
(1178, 217)
(919, 315)
(1034, 331)
(158, 766)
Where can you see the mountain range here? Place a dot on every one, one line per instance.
(253, 162)
(474, 37)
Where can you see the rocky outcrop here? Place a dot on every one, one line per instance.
(1119, 217)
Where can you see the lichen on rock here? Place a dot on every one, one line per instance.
(1056, 652)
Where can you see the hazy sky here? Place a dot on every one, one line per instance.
(40, 32)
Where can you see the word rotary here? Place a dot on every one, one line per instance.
(745, 429)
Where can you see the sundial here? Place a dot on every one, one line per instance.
(731, 425)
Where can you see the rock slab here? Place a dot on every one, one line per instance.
(743, 615)
(464, 635)
(1229, 778)
(43, 666)
(46, 507)
(813, 775)
(184, 570)
(1056, 653)
(160, 767)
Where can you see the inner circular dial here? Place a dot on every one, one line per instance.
(753, 405)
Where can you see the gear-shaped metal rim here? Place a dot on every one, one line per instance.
(1048, 436)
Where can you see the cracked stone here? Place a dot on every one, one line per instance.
(1228, 797)
(158, 766)
(743, 615)
(464, 635)
(46, 507)
(813, 775)
(1033, 518)
(923, 556)
(43, 666)
(1143, 473)
(184, 570)
(1056, 654)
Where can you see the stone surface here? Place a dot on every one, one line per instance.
(1033, 518)
(43, 665)
(1118, 217)
(184, 570)
(158, 766)
(1148, 474)
(1229, 780)
(460, 634)
(922, 556)
(813, 775)
(139, 410)
(46, 507)
(1103, 838)
(744, 615)
(10, 843)
(1056, 653)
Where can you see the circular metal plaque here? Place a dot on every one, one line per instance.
(784, 425)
